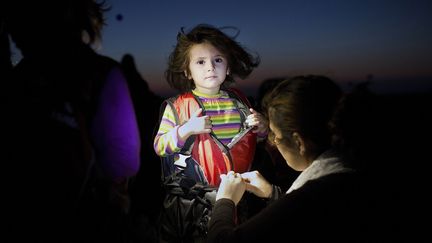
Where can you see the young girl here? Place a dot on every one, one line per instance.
(209, 120)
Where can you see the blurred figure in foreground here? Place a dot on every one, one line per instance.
(73, 140)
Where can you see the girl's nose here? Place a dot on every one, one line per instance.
(211, 66)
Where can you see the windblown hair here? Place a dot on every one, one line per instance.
(91, 21)
(240, 61)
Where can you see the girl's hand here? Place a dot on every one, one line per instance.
(196, 125)
(257, 120)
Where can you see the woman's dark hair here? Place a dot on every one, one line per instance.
(315, 107)
(240, 62)
(304, 104)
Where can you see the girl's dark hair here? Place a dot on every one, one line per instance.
(240, 62)
(304, 104)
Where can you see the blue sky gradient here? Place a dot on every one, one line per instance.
(346, 40)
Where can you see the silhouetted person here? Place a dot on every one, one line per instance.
(73, 139)
(134, 77)
(145, 206)
(390, 141)
(5, 55)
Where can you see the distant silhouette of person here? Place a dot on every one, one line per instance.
(385, 137)
(5, 54)
(265, 87)
(73, 139)
(134, 77)
(145, 207)
(326, 202)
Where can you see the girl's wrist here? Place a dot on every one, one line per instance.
(182, 135)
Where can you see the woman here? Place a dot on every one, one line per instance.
(325, 202)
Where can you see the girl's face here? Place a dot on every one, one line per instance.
(208, 68)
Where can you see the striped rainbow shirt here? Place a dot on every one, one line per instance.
(223, 114)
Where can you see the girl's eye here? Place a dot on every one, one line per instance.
(200, 62)
(219, 60)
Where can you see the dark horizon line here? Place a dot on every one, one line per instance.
(385, 87)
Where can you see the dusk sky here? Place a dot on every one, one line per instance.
(346, 40)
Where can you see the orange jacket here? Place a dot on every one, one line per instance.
(213, 157)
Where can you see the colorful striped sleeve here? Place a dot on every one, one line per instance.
(166, 141)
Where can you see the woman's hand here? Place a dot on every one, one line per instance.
(231, 187)
(257, 184)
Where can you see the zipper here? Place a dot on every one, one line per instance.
(222, 146)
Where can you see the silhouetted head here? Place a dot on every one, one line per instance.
(128, 61)
(53, 24)
(240, 62)
(5, 53)
(265, 87)
(136, 82)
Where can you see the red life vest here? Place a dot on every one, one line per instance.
(213, 156)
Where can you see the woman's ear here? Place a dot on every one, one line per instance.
(300, 143)
(228, 72)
